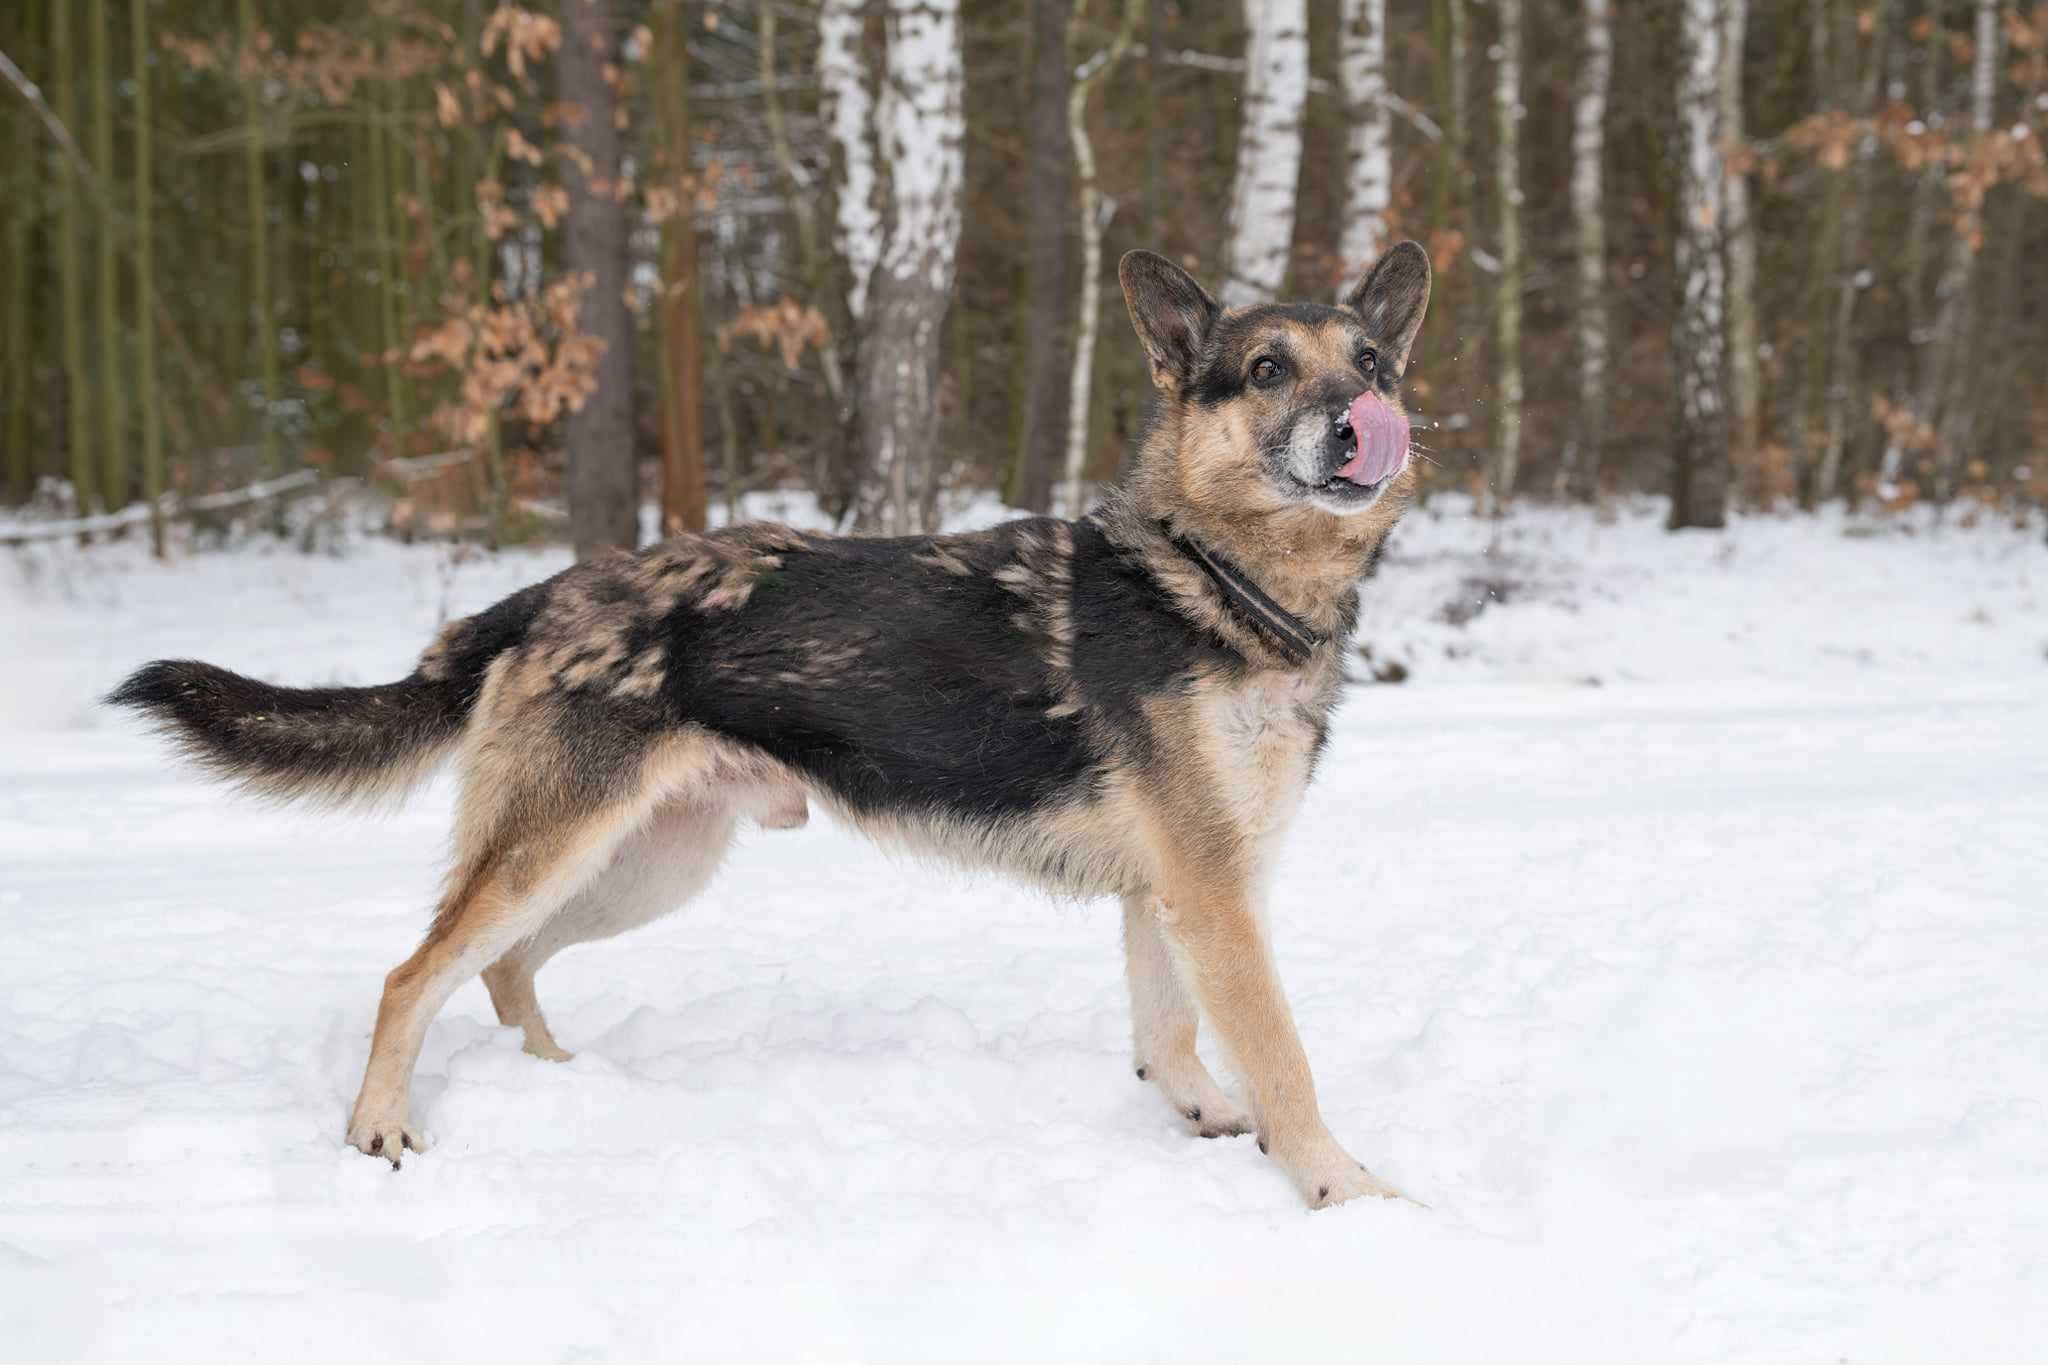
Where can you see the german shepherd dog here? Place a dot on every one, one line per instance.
(1129, 704)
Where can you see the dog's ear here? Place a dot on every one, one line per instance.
(1392, 298)
(1171, 312)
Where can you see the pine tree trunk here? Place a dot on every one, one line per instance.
(78, 397)
(265, 319)
(1507, 308)
(1579, 469)
(1698, 347)
(111, 389)
(145, 273)
(385, 253)
(603, 483)
(1050, 181)
(922, 130)
(1744, 392)
(1261, 233)
(684, 500)
(23, 210)
(1453, 43)
(1368, 154)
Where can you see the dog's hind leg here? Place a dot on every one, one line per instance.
(655, 870)
(499, 898)
(1164, 1022)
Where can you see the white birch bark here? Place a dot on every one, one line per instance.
(1744, 395)
(846, 90)
(921, 129)
(1261, 234)
(1368, 156)
(1698, 345)
(1081, 380)
(1507, 309)
(1581, 462)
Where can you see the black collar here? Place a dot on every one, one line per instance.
(1288, 632)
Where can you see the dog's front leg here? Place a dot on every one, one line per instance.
(1210, 923)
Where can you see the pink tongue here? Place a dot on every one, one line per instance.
(1382, 441)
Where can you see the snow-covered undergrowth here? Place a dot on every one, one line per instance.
(1675, 932)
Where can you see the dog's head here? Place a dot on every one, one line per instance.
(1282, 406)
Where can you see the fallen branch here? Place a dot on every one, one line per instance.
(171, 505)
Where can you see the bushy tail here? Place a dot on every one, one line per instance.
(345, 745)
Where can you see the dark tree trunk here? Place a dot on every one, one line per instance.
(604, 495)
(684, 502)
(1051, 190)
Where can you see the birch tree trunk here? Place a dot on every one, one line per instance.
(1368, 154)
(846, 107)
(1699, 493)
(1080, 380)
(1261, 233)
(1744, 392)
(1507, 306)
(603, 482)
(1580, 466)
(1049, 364)
(922, 128)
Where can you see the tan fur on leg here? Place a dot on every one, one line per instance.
(510, 982)
(657, 868)
(1164, 1022)
(1211, 926)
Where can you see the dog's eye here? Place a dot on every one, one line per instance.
(1368, 361)
(1265, 370)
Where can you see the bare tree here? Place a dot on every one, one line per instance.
(1050, 178)
(1081, 379)
(1368, 151)
(1850, 279)
(1698, 345)
(603, 483)
(1954, 333)
(921, 128)
(1744, 395)
(1580, 464)
(1507, 307)
(685, 504)
(1263, 187)
(846, 98)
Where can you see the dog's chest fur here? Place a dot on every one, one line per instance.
(1263, 732)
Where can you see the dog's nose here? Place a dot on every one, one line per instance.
(1342, 439)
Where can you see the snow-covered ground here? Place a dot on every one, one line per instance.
(1678, 933)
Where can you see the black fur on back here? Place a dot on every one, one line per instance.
(904, 685)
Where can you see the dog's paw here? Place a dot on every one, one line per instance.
(1221, 1117)
(384, 1135)
(1325, 1174)
(1201, 1103)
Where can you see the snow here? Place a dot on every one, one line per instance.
(1701, 1006)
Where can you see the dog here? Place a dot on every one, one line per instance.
(1128, 704)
